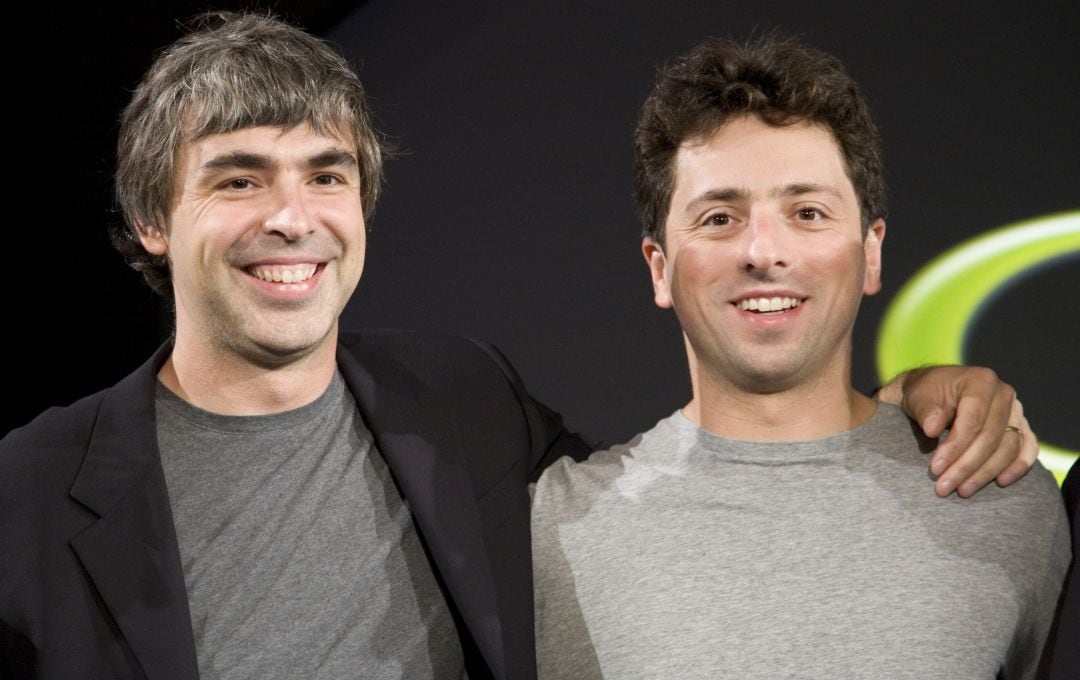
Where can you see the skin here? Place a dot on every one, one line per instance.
(760, 211)
(767, 212)
(269, 200)
(977, 448)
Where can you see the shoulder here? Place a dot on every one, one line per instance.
(71, 427)
(1030, 517)
(422, 352)
(569, 481)
(51, 449)
(1036, 497)
(41, 462)
(900, 442)
(443, 368)
(56, 429)
(1021, 527)
(891, 429)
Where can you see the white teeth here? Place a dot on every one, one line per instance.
(293, 273)
(775, 304)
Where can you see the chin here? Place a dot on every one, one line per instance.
(767, 379)
(277, 349)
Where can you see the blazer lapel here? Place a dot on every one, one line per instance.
(131, 553)
(420, 443)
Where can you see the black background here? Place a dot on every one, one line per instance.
(508, 213)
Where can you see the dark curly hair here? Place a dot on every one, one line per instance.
(774, 77)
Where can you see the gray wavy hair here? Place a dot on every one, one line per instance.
(231, 71)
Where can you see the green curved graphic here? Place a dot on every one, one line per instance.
(928, 320)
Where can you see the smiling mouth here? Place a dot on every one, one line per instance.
(765, 305)
(281, 273)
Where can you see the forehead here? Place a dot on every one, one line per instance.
(746, 153)
(280, 145)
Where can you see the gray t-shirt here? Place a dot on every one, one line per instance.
(682, 554)
(300, 556)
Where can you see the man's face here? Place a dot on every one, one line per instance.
(765, 263)
(265, 241)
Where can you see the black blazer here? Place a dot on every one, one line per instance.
(1065, 663)
(91, 584)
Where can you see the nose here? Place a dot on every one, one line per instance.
(289, 216)
(766, 246)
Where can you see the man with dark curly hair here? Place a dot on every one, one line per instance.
(778, 525)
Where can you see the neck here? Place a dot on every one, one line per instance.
(227, 383)
(810, 410)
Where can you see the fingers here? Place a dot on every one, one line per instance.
(983, 411)
(933, 424)
(976, 449)
(1007, 451)
(1029, 447)
(924, 395)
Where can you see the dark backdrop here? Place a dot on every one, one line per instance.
(508, 214)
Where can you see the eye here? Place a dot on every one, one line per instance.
(327, 180)
(718, 220)
(238, 183)
(809, 214)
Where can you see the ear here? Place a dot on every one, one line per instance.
(152, 238)
(872, 250)
(657, 261)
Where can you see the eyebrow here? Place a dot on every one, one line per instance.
(732, 194)
(239, 160)
(726, 195)
(243, 160)
(801, 188)
(332, 158)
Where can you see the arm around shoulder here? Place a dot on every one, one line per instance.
(988, 439)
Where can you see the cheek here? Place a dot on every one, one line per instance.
(697, 264)
(835, 253)
(356, 252)
(848, 256)
(205, 227)
(227, 231)
(345, 219)
(846, 266)
(353, 236)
